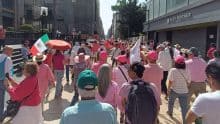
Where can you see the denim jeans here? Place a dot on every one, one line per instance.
(2, 97)
(182, 101)
(59, 76)
(67, 72)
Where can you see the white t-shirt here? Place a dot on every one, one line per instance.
(207, 106)
(179, 78)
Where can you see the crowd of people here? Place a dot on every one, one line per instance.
(102, 90)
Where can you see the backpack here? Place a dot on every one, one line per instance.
(141, 106)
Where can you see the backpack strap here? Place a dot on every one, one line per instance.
(123, 74)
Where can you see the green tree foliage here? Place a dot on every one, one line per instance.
(132, 17)
(26, 28)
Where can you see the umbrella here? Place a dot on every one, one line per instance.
(58, 44)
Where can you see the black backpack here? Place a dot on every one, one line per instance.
(141, 106)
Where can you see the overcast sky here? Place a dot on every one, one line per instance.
(106, 12)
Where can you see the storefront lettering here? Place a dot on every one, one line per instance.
(179, 17)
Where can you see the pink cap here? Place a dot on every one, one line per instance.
(152, 55)
(180, 60)
(122, 59)
(103, 55)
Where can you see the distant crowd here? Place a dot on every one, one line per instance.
(106, 81)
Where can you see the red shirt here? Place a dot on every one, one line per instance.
(48, 60)
(210, 52)
(58, 62)
(29, 86)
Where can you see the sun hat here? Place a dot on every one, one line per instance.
(103, 55)
(122, 59)
(39, 57)
(180, 60)
(152, 55)
(87, 80)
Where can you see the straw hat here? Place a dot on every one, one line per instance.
(39, 57)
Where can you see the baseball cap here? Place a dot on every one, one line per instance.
(122, 59)
(180, 60)
(87, 80)
(152, 55)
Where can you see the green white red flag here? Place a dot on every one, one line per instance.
(40, 45)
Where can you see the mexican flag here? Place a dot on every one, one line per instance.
(40, 45)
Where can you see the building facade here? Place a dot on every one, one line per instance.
(7, 13)
(78, 15)
(187, 22)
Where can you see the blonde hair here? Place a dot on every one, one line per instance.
(104, 78)
(31, 68)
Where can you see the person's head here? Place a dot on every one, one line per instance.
(123, 52)
(216, 53)
(81, 50)
(103, 56)
(104, 79)
(213, 45)
(180, 62)
(160, 47)
(57, 52)
(7, 50)
(152, 56)
(39, 58)
(193, 52)
(212, 73)
(116, 44)
(136, 70)
(30, 69)
(87, 84)
(81, 57)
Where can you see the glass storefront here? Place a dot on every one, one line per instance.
(163, 7)
(175, 4)
(158, 8)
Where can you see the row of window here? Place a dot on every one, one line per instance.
(8, 4)
(158, 8)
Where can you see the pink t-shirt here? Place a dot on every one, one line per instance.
(58, 62)
(153, 74)
(44, 76)
(196, 67)
(96, 66)
(124, 92)
(111, 96)
(118, 77)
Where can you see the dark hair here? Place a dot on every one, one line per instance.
(216, 53)
(180, 66)
(213, 45)
(138, 68)
(81, 50)
(39, 63)
(213, 69)
(57, 52)
(123, 52)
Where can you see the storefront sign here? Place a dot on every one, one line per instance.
(179, 17)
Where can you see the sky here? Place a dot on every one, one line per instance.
(106, 13)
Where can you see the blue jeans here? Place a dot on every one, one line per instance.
(182, 101)
(67, 72)
(59, 76)
(2, 97)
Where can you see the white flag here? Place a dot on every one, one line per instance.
(135, 52)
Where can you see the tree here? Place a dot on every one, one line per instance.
(132, 17)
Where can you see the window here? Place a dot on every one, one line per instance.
(156, 8)
(162, 7)
(151, 10)
(192, 1)
(8, 4)
(175, 4)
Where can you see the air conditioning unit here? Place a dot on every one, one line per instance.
(44, 11)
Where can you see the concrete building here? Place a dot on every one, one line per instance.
(7, 13)
(79, 15)
(187, 22)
